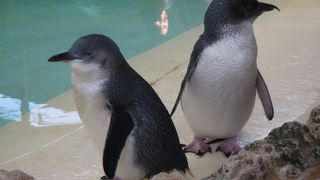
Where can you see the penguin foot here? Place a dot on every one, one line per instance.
(197, 146)
(229, 147)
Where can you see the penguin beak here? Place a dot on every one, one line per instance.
(264, 7)
(61, 57)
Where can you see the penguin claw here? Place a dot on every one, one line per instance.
(227, 154)
(229, 147)
(198, 147)
(201, 153)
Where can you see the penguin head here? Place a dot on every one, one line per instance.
(222, 12)
(91, 53)
(248, 9)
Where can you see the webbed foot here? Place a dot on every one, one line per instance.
(229, 147)
(197, 146)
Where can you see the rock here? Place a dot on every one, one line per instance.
(291, 151)
(315, 115)
(3, 174)
(14, 175)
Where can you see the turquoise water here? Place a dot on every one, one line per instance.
(33, 30)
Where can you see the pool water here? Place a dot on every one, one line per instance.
(32, 30)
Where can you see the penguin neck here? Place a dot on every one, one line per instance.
(87, 73)
(218, 31)
(243, 28)
(212, 29)
(213, 22)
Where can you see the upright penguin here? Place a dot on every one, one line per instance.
(218, 91)
(124, 116)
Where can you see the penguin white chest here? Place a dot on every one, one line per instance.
(91, 105)
(87, 86)
(219, 96)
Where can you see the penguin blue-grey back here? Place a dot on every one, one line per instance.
(218, 91)
(122, 113)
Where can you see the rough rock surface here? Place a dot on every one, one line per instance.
(291, 151)
(14, 175)
(315, 115)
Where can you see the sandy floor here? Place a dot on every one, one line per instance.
(288, 59)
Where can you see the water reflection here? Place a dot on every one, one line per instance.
(43, 116)
(9, 108)
(163, 23)
(40, 115)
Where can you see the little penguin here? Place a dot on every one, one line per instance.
(218, 91)
(123, 114)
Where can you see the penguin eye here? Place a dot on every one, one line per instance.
(108, 106)
(89, 53)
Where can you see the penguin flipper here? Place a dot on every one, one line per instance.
(195, 55)
(120, 127)
(179, 95)
(264, 96)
